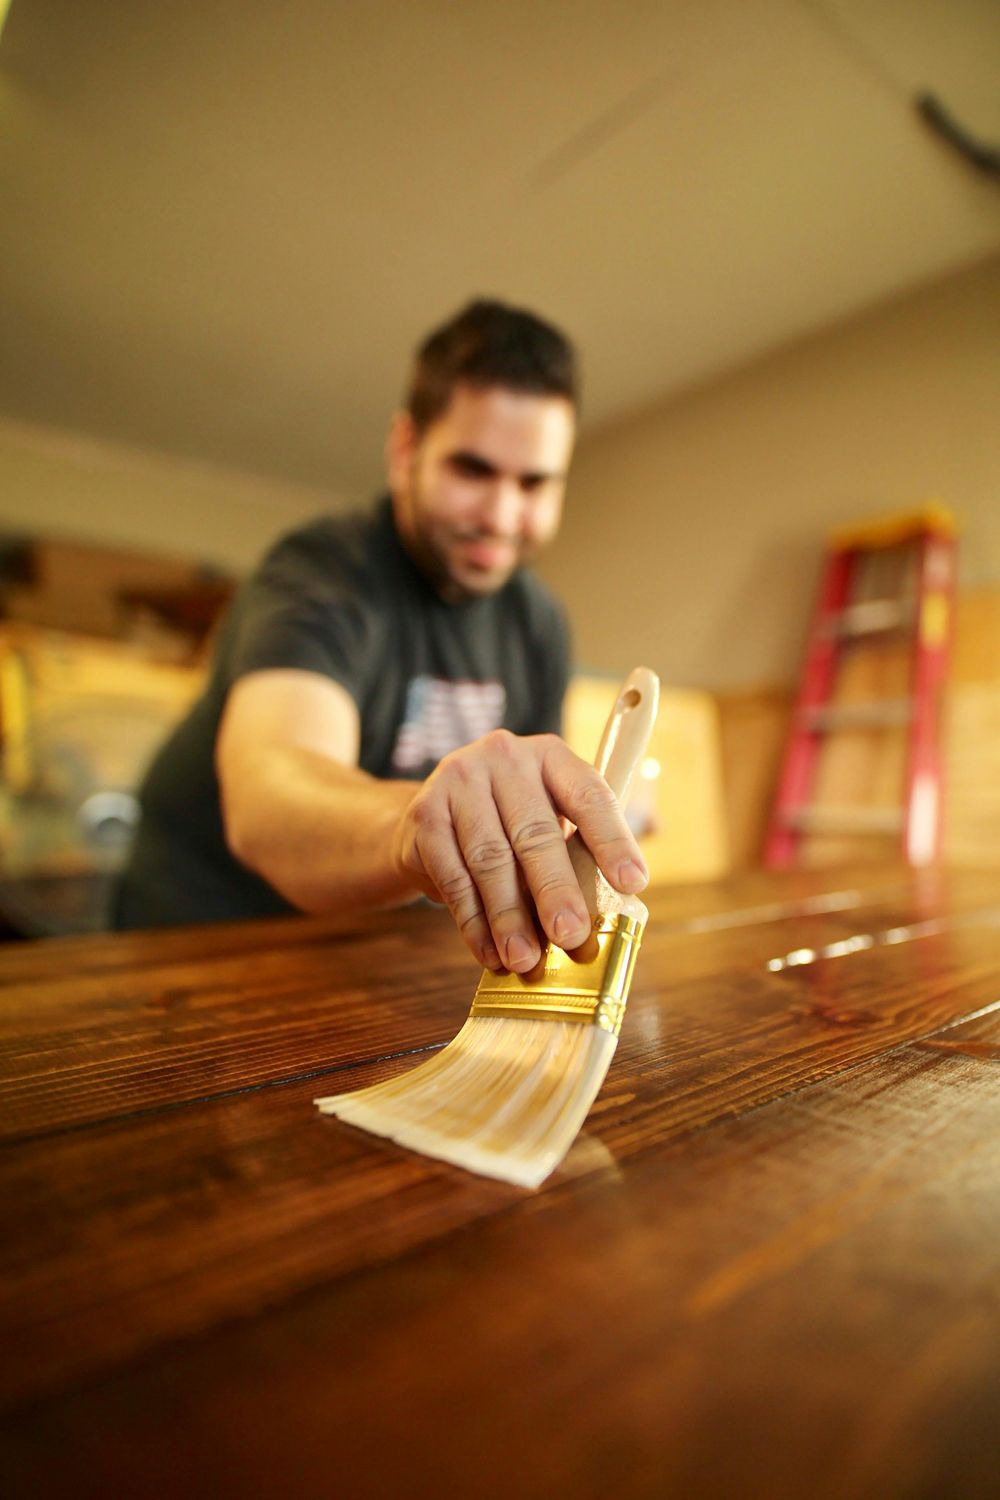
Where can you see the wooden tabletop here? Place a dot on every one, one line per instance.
(769, 1267)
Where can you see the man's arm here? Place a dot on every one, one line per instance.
(295, 806)
(482, 833)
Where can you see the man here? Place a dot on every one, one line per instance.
(379, 721)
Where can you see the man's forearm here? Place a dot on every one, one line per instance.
(320, 832)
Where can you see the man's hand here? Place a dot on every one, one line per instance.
(484, 836)
(483, 832)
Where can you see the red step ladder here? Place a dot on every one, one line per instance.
(916, 552)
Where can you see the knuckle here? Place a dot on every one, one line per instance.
(487, 857)
(596, 797)
(536, 836)
(507, 919)
(501, 742)
(553, 885)
(424, 814)
(454, 767)
(554, 753)
(458, 889)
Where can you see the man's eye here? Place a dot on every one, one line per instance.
(470, 468)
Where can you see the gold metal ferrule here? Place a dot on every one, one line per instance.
(590, 987)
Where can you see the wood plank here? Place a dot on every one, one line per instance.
(751, 897)
(196, 1017)
(101, 1028)
(798, 1302)
(753, 728)
(135, 1231)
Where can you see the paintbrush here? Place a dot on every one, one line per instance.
(508, 1096)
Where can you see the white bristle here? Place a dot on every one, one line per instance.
(506, 1098)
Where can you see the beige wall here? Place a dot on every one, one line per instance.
(62, 485)
(693, 530)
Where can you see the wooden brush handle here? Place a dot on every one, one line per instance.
(623, 745)
(626, 734)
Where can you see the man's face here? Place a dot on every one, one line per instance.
(481, 489)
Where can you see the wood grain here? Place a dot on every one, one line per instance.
(90, 1035)
(96, 1028)
(780, 1224)
(798, 1302)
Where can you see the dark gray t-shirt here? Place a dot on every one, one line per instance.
(342, 598)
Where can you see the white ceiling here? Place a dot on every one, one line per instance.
(224, 223)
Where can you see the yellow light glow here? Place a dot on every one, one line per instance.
(650, 768)
(4, 8)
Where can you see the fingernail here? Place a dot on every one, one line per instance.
(631, 876)
(570, 927)
(520, 954)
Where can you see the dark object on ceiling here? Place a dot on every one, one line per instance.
(983, 157)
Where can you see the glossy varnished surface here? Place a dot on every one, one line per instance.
(769, 1266)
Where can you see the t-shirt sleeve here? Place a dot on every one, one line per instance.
(286, 622)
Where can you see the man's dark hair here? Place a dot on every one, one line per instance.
(490, 344)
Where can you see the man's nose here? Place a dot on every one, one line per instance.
(503, 507)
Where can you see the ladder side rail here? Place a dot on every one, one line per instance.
(802, 748)
(924, 787)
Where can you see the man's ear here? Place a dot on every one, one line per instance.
(400, 447)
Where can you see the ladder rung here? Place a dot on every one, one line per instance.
(845, 819)
(875, 714)
(872, 616)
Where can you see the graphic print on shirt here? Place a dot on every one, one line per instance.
(442, 716)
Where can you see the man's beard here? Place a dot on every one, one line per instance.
(434, 559)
